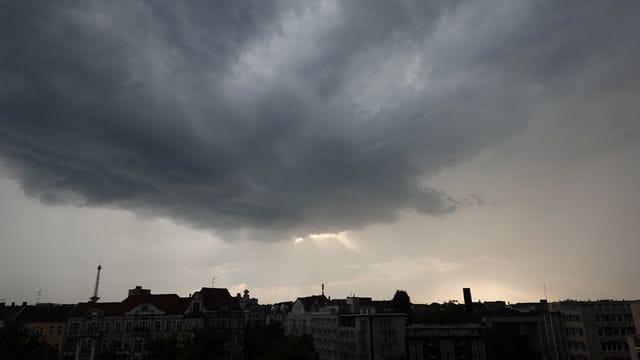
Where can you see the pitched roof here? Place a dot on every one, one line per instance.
(45, 313)
(108, 308)
(313, 301)
(8, 313)
(167, 303)
(218, 299)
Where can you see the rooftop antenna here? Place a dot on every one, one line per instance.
(38, 296)
(544, 287)
(322, 289)
(95, 297)
(213, 280)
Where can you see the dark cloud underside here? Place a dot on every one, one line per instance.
(282, 115)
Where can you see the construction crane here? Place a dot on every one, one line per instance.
(95, 297)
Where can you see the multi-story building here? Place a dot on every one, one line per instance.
(126, 327)
(371, 336)
(634, 340)
(596, 330)
(348, 328)
(446, 342)
(278, 312)
(47, 320)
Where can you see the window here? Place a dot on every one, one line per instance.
(70, 344)
(142, 324)
(74, 327)
(105, 344)
(59, 332)
(127, 326)
(85, 345)
(126, 344)
(196, 307)
(137, 344)
(93, 326)
(107, 326)
(179, 325)
(167, 325)
(157, 325)
(52, 330)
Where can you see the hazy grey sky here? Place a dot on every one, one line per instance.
(277, 145)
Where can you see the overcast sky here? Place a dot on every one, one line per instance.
(276, 145)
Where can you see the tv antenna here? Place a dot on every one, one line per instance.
(213, 281)
(38, 296)
(544, 287)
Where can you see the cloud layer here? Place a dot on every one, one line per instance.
(281, 116)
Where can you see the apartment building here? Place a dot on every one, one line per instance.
(446, 342)
(49, 321)
(347, 328)
(125, 328)
(596, 330)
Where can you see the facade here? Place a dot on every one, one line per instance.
(536, 332)
(371, 336)
(634, 347)
(446, 342)
(125, 328)
(47, 320)
(348, 328)
(597, 330)
(634, 341)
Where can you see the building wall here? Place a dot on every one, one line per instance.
(129, 335)
(597, 330)
(452, 342)
(126, 335)
(52, 332)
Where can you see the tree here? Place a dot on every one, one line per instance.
(401, 303)
(269, 342)
(208, 344)
(18, 343)
(162, 349)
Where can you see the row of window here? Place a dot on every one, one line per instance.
(576, 345)
(616, 331)
(609, 346)
(53, 330)
(94, 326)
(571, 318)
(570, 331)
(125, 344)
(614, 318)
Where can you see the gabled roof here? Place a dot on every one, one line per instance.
(167, 303)
(218, 299)
(8, 313)
(107, 308)
(45, 313)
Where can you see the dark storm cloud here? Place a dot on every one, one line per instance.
(280, 115)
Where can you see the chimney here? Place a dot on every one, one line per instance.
(24, 303)
(138, 290)
(468, 302)
(13, 303)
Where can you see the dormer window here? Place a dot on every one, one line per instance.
(195, 307)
